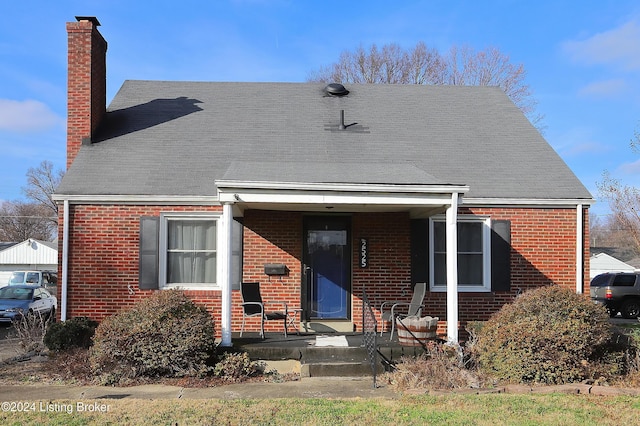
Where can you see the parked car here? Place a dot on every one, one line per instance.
(47, 279)
(19, 300)
(618, 292)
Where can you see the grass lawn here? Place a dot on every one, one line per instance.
(489, 409)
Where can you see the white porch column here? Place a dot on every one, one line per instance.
(579, 249)
(225, 279)
(452, 269)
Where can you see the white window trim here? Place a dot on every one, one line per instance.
(163, 243)
(486, 252)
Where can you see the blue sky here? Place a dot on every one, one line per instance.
(582, 60)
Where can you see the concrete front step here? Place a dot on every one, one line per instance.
(298, 354)
(337, 369)
(337, 362)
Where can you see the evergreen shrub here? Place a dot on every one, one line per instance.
(165, 335)
(549, 335)
(70, 334)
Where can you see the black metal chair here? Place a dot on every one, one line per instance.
(253, 306)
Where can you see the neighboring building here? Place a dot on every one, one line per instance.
(602, 262)
(199, 185)
(29, 255)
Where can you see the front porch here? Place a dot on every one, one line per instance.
(315, 231)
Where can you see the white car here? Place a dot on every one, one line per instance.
(46, 279)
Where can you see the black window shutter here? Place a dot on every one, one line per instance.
(501, 255)
(148, 253)
(419, 251)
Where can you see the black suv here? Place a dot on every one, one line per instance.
(618, 292)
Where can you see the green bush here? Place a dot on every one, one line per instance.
(70, 334)
(165, 335)
(548, 335)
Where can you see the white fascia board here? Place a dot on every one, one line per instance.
(284, 197)
(230, 191)
(335, 194)
(527, 202)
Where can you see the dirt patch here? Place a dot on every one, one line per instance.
(73, 368)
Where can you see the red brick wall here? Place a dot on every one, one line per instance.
(276, 237)
(543, 252)
(389, 270)
(270, 237)
(86, 84)
(103, 259)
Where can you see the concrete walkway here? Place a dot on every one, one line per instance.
(310, 387)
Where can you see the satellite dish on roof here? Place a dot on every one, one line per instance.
(336, 89)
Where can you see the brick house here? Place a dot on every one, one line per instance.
(199, 185)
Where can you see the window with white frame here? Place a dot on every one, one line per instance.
(189, 250)
(474, 253)
(183, 250)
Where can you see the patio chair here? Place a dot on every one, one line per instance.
(393, 309)
(253, 306)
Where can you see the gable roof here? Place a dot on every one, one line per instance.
(34, 252)
(602, 262)
(177, 138)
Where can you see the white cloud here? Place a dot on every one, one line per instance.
(619, 47)
(605, 88)
(585, 148)
(630, 168)
(577, 141)
(26, 116)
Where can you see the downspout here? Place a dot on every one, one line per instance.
(227, 267)
(579, 249)
(452, 269)
(65, 261)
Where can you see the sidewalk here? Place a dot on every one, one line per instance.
(309, 387)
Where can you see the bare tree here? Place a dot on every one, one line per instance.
(624, 202)
(635, 141)
(608, 235)
(41, 184)
(20, 221)
(422, 65)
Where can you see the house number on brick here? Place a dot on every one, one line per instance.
(364, 253)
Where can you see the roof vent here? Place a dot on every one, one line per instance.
(336, 89)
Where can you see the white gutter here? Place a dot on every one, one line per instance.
(527, 202)
(452, 269)
(138, 199)
(227, 268)
(65, 261)
(579, 249)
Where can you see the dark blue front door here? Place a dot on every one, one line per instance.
(327, 259)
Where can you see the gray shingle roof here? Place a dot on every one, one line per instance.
(177, 138)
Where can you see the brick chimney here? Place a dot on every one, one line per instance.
(86, 82)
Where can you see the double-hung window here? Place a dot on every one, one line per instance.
(183, 250)
(474, 253)
(189, 250)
